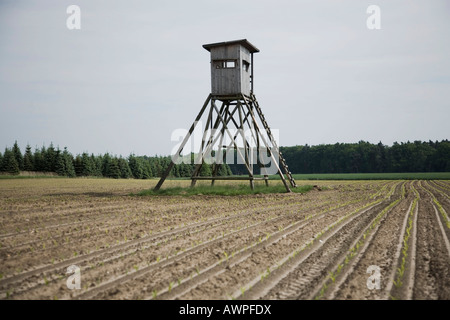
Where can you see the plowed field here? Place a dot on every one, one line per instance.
(346, 240)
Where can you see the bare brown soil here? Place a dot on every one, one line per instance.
(318, 245)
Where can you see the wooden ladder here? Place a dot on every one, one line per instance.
(284, 165)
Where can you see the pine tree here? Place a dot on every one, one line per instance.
(146, 170)
(60, 166)
(96, 165)
(158, 167)
(176, 171)
(18, 155)
(106, 162)
(50, 159)
(205, 170)
(28, 159)
(113, 169)
(124, 168)
(185, 170)
(222, 170)
(10, 164)
(135, 166)
(38, 159)
(68, 163)
(88, 168)
(78, 166)
(153, 166)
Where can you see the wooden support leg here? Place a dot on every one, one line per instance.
(180, 149)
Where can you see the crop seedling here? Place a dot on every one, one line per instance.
(332, 276)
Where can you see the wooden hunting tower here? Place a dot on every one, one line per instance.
(236, 118)
(231, 67)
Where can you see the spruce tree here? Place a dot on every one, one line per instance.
(158, 167)
(182, 172)
(38, 159)
(10, 164)
(88, 167)
(205, 170)
(147, 170)
(135, 166)
(18, 155)
(50, 159)
(153, 166)
(176, 171)
(113, 169)
(124, 168)
(28, 159)
(68, 163)
(96, 165)
(106, 162)
(78, 166)
(60, 166)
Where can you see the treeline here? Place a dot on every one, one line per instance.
(63, 163)
(364, 157)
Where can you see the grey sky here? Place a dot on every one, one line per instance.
(136, 70)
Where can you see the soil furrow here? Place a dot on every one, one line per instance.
(232, 262)
(432, 278)
(376, 253)
(292, 279)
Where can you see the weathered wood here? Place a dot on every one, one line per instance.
(231, 136)
(180, 149)
(201, 152)
(228, 178)
(266, 126)
(231, 67)
(232, 84)
(246, 146)
(267, 146)
(252, 76)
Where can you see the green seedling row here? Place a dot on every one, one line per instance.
(352, 252)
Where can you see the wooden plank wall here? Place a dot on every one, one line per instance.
(230, 81)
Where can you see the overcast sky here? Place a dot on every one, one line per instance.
(136, 70)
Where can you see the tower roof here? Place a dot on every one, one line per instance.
(242, 42)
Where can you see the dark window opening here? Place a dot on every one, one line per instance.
(224, 64)
(245, 65)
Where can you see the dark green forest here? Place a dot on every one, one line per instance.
(361, 157)
(364, 157)
(63, 163)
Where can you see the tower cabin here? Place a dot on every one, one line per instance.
(231, 67)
